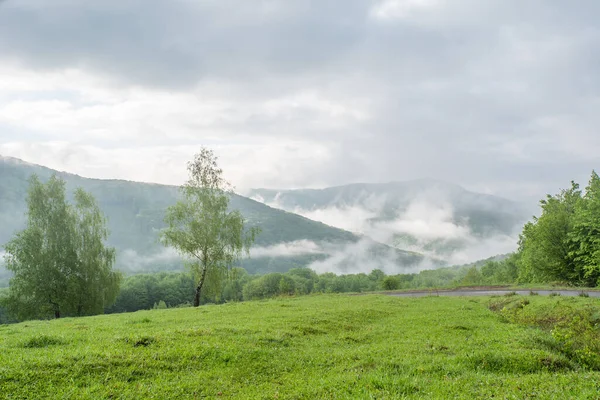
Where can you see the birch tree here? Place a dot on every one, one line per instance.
(60, 263)
(201, 227)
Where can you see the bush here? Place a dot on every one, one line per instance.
(573, 327)
(579, 340)
(473, 277)
(286, 286)
(390, 283)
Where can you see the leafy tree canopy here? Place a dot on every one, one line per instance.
(201, 227)
(59, 261)
(563, 244)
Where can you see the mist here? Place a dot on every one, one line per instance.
(4, 273)
(130, 260)
(289, 249)
(426, 224)
(358, 258)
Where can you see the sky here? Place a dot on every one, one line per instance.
(500, 96)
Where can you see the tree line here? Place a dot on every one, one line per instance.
(563, 243)
(162, 290)
(177, 289)
(560, 246)
(62, 267)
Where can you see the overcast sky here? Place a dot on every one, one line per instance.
(500, 96)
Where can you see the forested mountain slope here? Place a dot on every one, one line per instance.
(425, 215)
(135, 217)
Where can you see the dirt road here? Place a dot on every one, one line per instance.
(490, 292)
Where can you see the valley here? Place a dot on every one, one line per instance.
(397, 227)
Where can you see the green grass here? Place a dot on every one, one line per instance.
(315, 347)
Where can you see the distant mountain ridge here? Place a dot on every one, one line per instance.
(424, 215)
(135, 216)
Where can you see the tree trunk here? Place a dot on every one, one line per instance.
(56, 308)
(199, 288)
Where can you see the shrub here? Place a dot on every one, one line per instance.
(390, 283)
(579, 340)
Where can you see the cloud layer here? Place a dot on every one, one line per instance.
(499, 96)
(427, 224)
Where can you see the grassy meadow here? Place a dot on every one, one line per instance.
(314, 347)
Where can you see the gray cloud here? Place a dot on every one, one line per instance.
(177, 43)
(499, 96)
(131, 261)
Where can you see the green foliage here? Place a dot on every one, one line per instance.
(501, 272)
(161, 305)
(316, 347)
(264, 287)
(141, 292)
(201, 227)
(136, 211)
(584, 236)
(390, 283)
(41, 341)
(144, 291)
(563, 244)
(473, 277)
(5, 318)
(287, 286)
(544, 244)
(59, 261)
(572, 323)
(579, 339)
(376, 275)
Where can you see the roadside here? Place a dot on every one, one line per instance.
(495, 291)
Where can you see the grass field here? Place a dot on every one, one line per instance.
(327, 346)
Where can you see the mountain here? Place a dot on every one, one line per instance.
(426, 215)
(135, 216)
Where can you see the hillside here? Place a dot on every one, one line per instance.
(135, 214)
(316, 347)
(424, 215)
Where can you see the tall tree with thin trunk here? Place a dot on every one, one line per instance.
(59, 261)
(202, 228)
